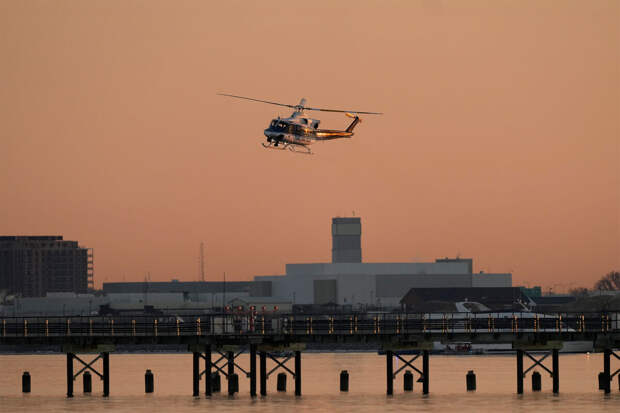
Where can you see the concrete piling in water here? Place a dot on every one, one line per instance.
(106, 373)
(87, 382)
(252, 370)
(408, 381)
(607, 370)
(297, 373)
(604, 382)
(216, 382)
(69, 374)
(470, 380)
(536, 381)
(389, 372)
(233, 384)
(208, 371)
(601, 380)
(149, 382)
(281, 384)
(555, 353)
(26, 382)
(195, 374)
(344, 380)
(262, 356)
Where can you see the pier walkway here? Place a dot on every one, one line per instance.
(282, 337)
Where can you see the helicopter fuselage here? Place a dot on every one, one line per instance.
(285, 131)
(303, 131)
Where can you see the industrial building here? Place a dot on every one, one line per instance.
(175, 286)
(32, 266)
(349, 281)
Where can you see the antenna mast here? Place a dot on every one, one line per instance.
(202, 262)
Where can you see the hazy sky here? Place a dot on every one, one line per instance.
(500, 139)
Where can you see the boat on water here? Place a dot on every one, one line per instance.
(524, 321)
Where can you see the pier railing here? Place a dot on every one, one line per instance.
(252, 324)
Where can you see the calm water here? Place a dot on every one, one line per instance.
(173, 386)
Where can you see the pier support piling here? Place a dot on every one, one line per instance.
(519, 371)
(263, 373)
(252, 370)
(408, 375)
(389, 358)
(607, 371)
(86, 370)
(106, 374)
(69, 374)
(425, 372)
(298, 373)
(207, 372)
(230, 364)
(196, 374)
(556, 370)
(606, 377)
(233, 384)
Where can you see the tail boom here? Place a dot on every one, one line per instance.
(326, 134)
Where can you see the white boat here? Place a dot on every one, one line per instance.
(526, 321)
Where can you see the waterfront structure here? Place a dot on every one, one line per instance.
(405, 336)
(32, 266)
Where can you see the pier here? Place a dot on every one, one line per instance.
(216, 340)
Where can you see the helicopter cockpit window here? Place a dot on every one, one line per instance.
(304, 121)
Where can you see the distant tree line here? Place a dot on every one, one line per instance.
(609, 282)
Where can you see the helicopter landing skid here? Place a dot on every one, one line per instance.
(304, 150)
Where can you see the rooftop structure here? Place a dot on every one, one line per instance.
(346, 240)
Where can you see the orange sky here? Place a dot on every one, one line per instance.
(500, 139)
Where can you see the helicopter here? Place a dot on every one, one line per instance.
(297, 132)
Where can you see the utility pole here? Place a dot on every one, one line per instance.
(202, 262)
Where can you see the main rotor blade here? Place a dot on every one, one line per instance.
(256, 100)
(344, 111)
